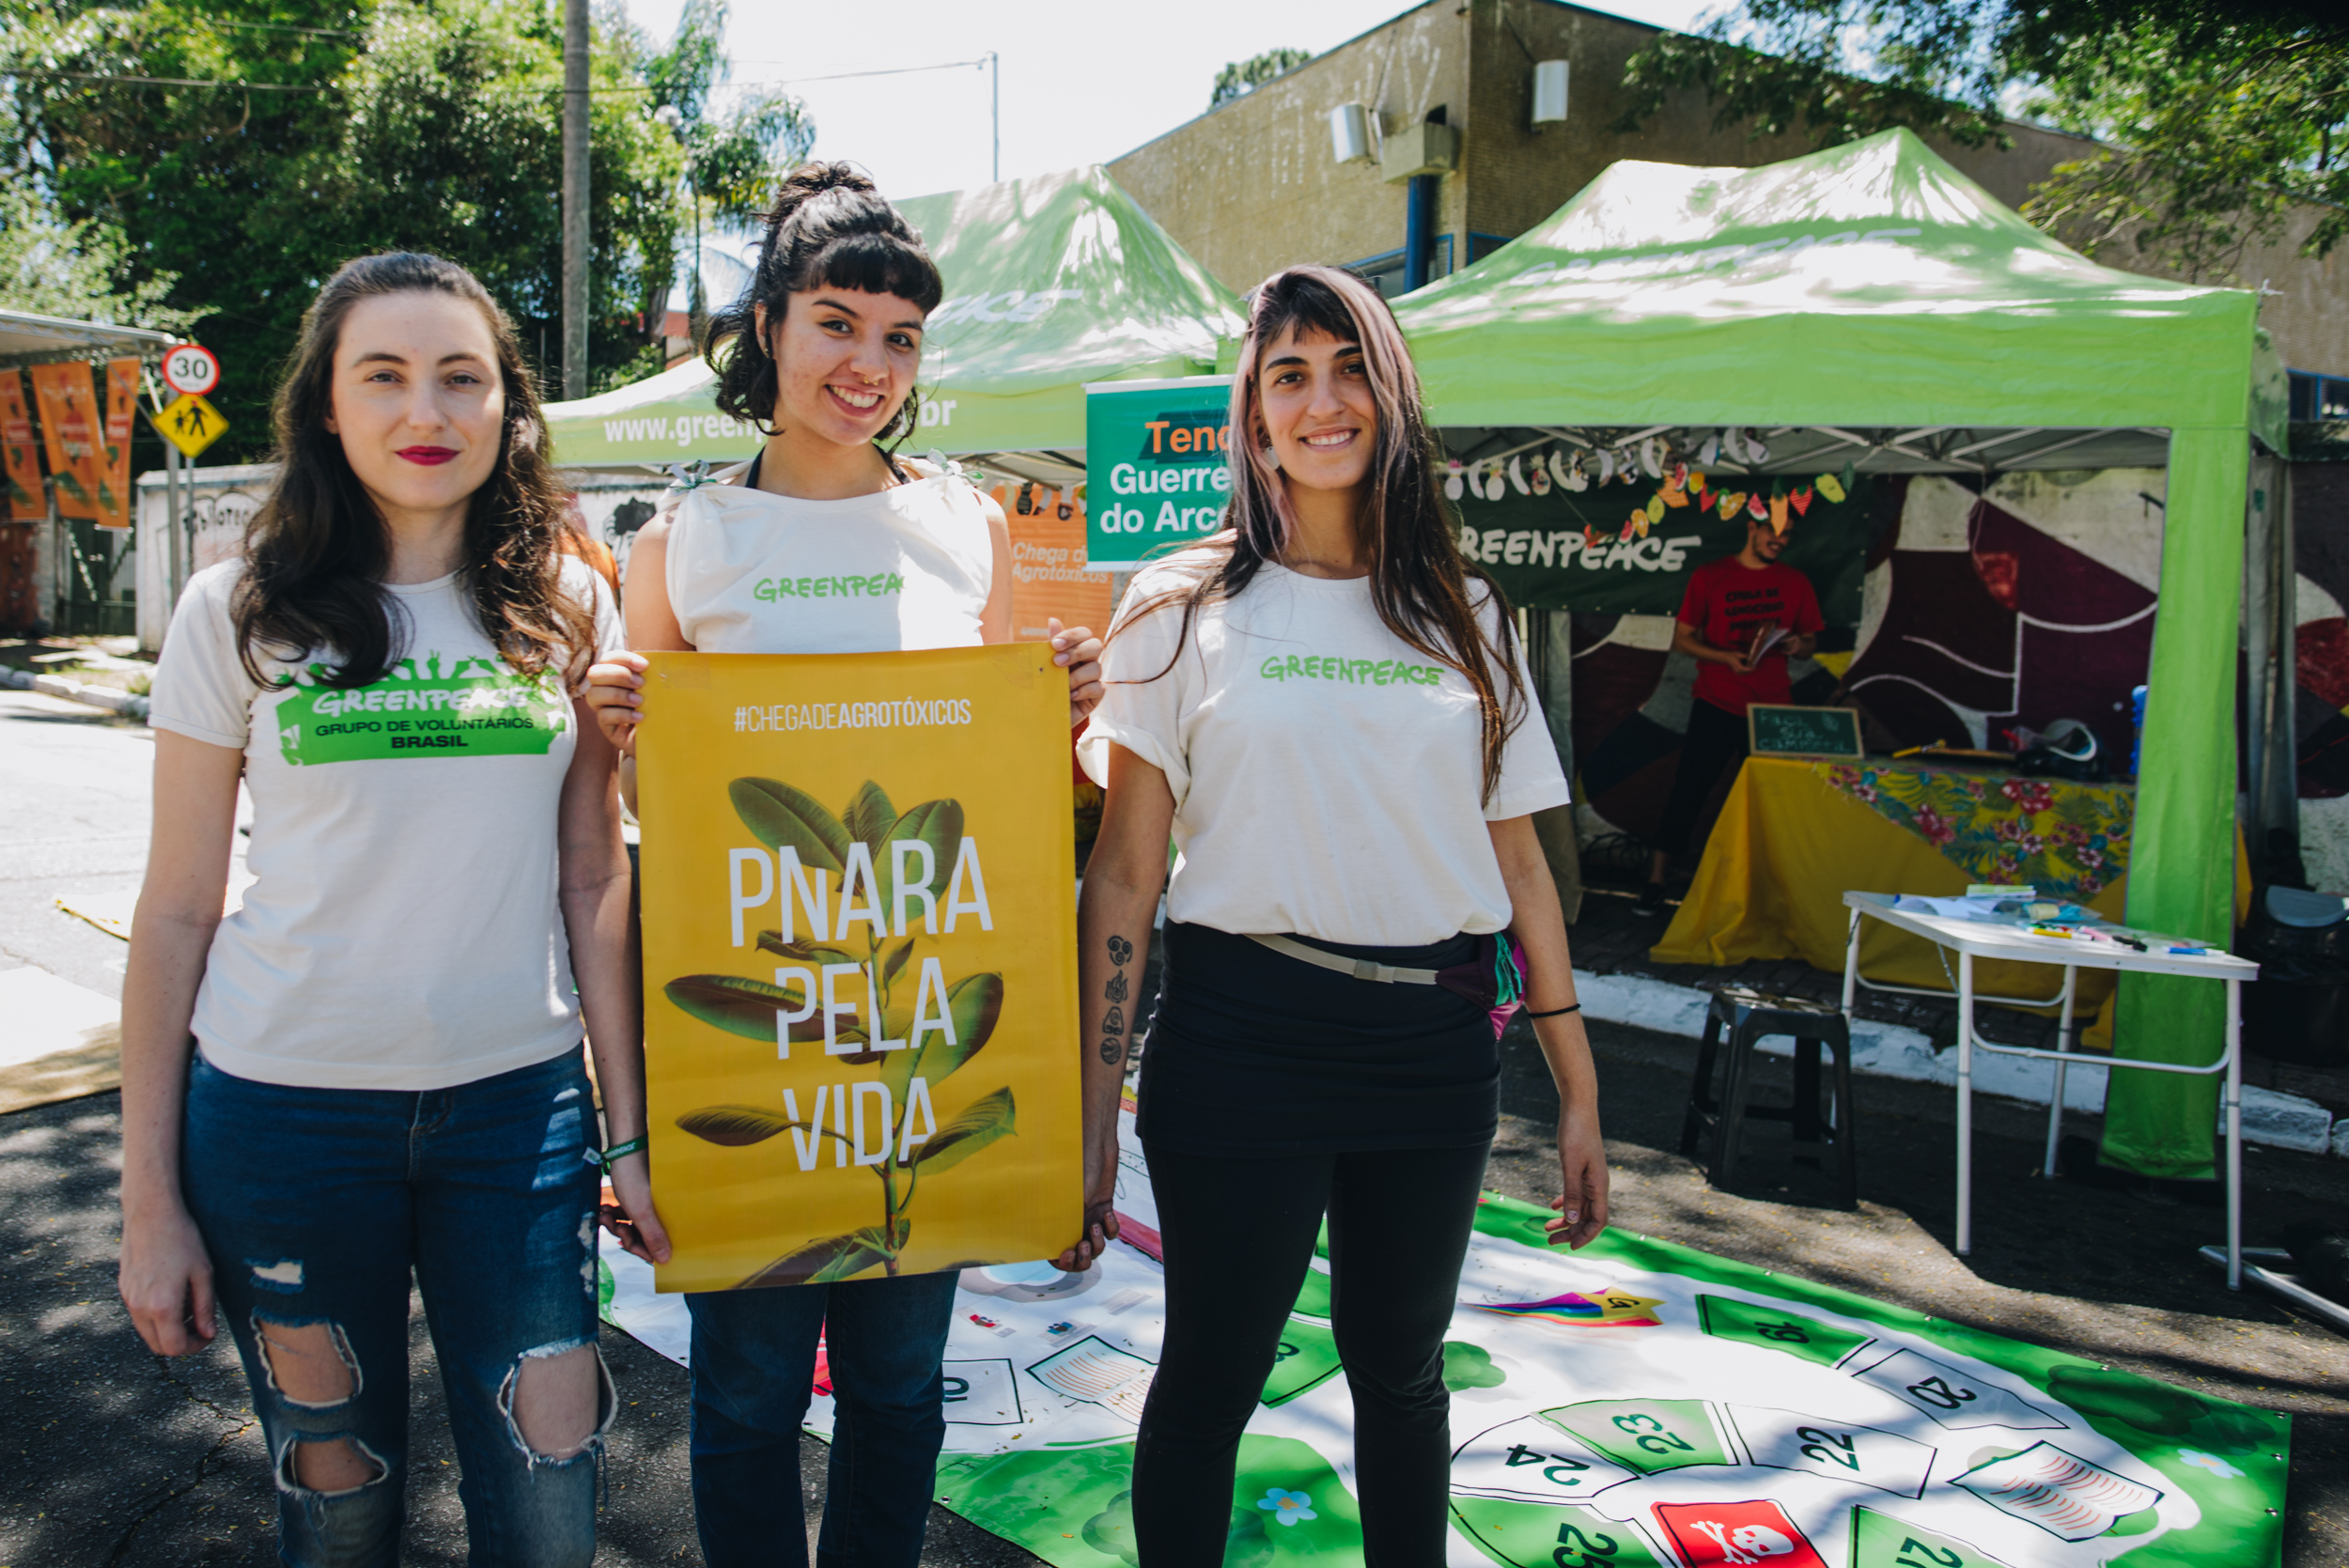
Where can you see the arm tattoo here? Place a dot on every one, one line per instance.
(1113, 1021)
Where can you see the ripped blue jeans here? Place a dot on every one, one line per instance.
(317, 1206)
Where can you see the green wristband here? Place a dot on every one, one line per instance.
(606, 1158)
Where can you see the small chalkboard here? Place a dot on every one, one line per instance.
(1776, 730)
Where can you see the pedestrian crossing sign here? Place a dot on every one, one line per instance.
(190, 424)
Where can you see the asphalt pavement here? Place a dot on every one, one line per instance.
(128, 1459)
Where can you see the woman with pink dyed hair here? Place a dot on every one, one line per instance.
(1324, 705)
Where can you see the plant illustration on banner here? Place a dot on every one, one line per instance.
(918, 1027)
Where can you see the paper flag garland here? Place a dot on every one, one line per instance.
(1540, 480)
(1801, 498)
(1829, 487)
(1778, 514)
(1655, 510)
(1730, 503)
(1452, 484)
(1756, 507)
(1517, 478)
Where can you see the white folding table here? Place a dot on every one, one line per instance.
(1973, 939)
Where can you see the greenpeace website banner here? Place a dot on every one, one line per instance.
(861, 1029)
(1156, 466)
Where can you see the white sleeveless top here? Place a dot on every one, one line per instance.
(906, 567)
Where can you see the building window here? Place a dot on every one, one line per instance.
(1384, 272)
(2315, 397)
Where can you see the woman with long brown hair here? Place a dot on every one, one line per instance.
(386, 1079)
(1325, 707)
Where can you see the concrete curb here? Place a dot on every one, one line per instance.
(110, 698)
(1890, 1050)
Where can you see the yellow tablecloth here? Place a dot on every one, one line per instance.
(1789, 844)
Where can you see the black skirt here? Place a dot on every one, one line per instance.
(1256, 1054)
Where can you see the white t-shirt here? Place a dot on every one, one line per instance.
(1327, 775)
(403, 930)
(905, 567)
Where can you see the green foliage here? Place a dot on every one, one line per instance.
(732, 153)
(2222, 121)
(2214, 139)
(782, 816)
(959, 1137)
(320, 129)
(734, 1126)
(1242, 77)
(55, 266)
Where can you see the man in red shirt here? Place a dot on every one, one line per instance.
(1743, 618)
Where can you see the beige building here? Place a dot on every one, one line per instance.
(1256, 185)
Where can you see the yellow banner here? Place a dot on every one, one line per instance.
(860, 1030)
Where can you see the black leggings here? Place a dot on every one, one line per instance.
(1239, 1234)
(1716, 742)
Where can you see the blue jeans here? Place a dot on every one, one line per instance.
(317, 1204)
(754, 1370)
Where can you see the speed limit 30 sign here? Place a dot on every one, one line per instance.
(191, 369)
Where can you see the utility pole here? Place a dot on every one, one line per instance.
(574, 198)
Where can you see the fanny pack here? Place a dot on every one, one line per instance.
(1493, 979)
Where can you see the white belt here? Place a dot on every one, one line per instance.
(1360, 968)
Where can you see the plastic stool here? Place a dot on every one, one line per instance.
(1750, 1016)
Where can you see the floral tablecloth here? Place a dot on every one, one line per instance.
(2068, 840)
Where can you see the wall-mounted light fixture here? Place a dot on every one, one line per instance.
(1350, 140)
(1550, 93)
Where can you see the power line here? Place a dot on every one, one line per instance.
(173, 81)
(327, 87)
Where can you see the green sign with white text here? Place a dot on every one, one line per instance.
(1158, 468)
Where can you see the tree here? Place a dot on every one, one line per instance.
(731, 156)
(734, 152)
(54, 267)
(343, 126)
(1242, 77)
(2220, 119)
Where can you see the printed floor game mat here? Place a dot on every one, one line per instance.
(1636, 1403)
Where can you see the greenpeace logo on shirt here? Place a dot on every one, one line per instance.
(1354, 671)
(432, 705)
(880, 585)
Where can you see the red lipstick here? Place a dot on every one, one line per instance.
(432, 457)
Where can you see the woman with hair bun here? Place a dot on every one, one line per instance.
(386, 1080)
(1325, 707)
(820, 353)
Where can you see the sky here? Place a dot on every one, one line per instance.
(1084, 81)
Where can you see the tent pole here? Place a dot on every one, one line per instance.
(2281, 812)
(2259, 643)
(2182, 846)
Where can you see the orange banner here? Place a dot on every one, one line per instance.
(70, 427)
(1047, 563)
(26, 503)
(114, 469)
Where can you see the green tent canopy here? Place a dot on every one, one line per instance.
(1051, 283)
(1869, 304)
